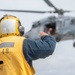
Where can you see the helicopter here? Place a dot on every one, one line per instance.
(61, 27)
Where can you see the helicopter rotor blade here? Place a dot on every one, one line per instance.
(59, 11)
(22, 11)
(29, 11)
(51, 5)
(66, 11)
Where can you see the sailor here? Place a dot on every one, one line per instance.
(18, 52)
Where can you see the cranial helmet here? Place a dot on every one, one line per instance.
(10, 25)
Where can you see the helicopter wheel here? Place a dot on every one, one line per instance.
(58, 39)
(74, 44)
(73, 41)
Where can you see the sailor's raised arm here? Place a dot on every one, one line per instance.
(35, 49)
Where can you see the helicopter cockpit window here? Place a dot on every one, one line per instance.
(51, 27)
(73, 21)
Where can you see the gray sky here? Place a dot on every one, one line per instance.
(62, 62)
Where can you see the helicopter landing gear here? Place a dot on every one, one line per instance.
(58, 38)
(73, 41)
(74, 44)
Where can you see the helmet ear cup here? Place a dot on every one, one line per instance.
(21, 30)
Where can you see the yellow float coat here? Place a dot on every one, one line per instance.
(12, 60)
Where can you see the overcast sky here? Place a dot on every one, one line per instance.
(62, 62)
